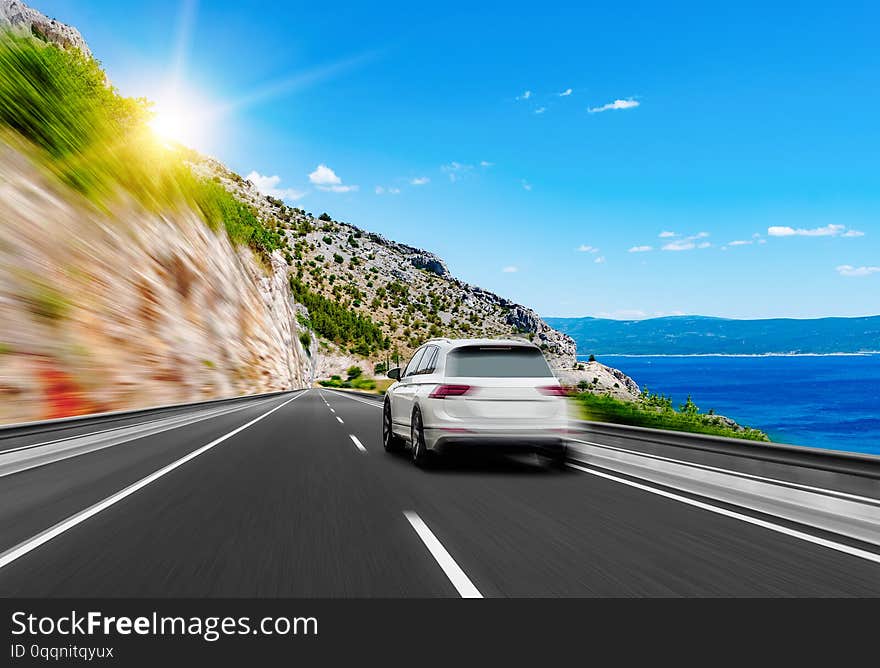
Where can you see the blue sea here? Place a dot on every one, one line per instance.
(822, 401)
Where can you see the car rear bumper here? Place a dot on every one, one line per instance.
(441, 440)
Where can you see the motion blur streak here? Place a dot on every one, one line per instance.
(119, 286)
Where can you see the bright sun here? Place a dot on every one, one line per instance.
(180, 121)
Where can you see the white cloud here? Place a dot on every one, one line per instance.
(600, 260)
(525, 96)
(687, 243)
(381, 190)
(740, 242)
(526, 185)
(667, 235)
(512, 269)
(617, 104)
(324, 178)
(826, 231)
(486, 163)
(540, 110)
(681, 245)
(268, 185)
(851, 271)
(853, 233)
(456, 170)
(419, 181)
(565, 93)
(640, 249)
(583, 248)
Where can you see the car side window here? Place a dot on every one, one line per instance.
(413, 363)
(429, 360)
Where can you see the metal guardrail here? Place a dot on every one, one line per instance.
(836, 461)
(15, 429)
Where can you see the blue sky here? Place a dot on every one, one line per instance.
(717, 124)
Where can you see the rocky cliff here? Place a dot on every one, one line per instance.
(127, 305)
(109, 310)
(408, 292)
(16, 16)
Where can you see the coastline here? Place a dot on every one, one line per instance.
(827, 401)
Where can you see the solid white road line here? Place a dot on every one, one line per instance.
(840, 547)
(738, 474)
(339, 419)
(377, 404)
(358, 444)
(203, 414)
(23, 548)
(457, 577)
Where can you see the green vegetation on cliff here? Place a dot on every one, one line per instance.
(100, 143)
(335, 322)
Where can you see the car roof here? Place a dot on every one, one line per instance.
(459, 343)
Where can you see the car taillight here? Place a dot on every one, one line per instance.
(443, 391)
(554, 391)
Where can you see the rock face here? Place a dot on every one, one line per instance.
(126, 309)
(600, 379)
(19, 17)
(408, 291)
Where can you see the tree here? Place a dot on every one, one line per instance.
(689, 407)
(592, 358)
(325, 217)
(354, 372)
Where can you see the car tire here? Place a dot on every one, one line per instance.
(391, 441)
(420, 455)
(556, 460)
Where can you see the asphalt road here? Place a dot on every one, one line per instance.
(294, 496)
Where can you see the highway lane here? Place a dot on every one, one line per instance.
(305, 502)
(35, 499)
(13, 437)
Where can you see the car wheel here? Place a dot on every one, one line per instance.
(420, 454)
(391, 441)
(556, 460)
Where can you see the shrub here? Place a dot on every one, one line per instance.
(354, 372)
(608, 409)
(363, 383)
(335, 322)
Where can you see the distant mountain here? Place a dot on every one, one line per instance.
(698, 335)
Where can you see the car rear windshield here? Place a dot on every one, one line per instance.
(497, 362)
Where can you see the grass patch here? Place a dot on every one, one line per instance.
(647, 413)
(365, 384)
(99, 142)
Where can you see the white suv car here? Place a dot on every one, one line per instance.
(468, 393)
